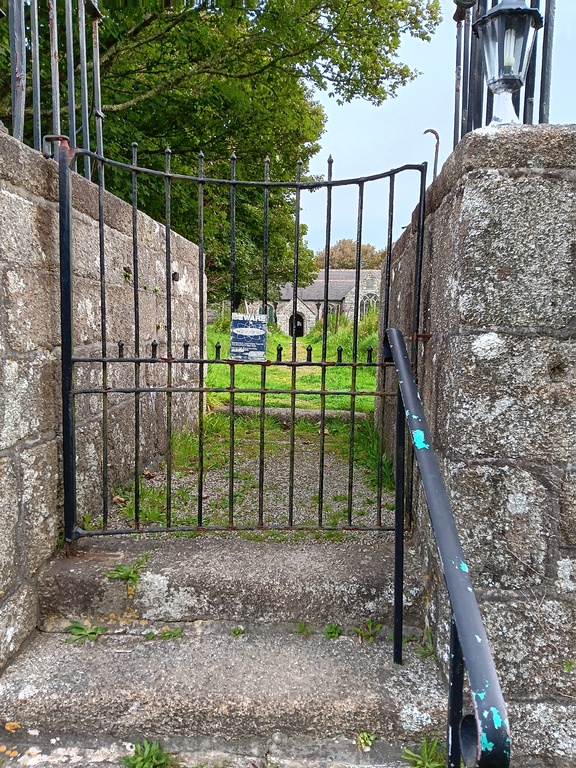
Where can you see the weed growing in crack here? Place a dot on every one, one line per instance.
(364, 741)
(368, 631)
(130, 573)
(149, 754)
(425, 649)
(80, 632)
(304, 629)
(237, 631)
(430, 755)
(332, 631)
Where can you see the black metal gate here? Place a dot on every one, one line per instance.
(159, 423)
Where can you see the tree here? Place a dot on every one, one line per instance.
(343, 256)
(237, 76)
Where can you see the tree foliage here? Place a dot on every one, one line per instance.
(343, 256)
(235, 76)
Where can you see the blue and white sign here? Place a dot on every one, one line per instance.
(248, 337)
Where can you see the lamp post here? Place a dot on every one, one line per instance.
(507, 34)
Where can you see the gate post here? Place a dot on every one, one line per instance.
(68, 438)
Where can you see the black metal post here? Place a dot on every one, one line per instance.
(399, 530)
(455, 698)
(68, 431)
(546, 80)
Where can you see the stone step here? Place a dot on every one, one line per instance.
(209, 683)
(277, 752)
(223, 578)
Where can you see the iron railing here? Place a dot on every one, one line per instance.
(473, 103)
(28, 20)
(480, 739)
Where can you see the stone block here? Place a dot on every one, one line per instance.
(9, 523)
(28, 407)
(29, 230)
(41, 509)
(27, 170)
(18, 618)
(543, 733)
(503, 257)
(532, 650)
(568, 507)
(31, 306)
(506, 518)
(505, 397)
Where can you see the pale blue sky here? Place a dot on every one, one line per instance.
(364, 139)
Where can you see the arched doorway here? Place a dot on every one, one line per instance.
(296, 325)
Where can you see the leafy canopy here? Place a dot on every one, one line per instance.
(234, 76)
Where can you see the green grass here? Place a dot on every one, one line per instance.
(185, 460)
(279, 377)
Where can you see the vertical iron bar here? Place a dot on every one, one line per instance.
(293, 367)
(530, 87)
(476, 74)
(232, 366)
(201, 330)
(455, 697)
(457, 85)
(418, 267)
(169, 372)
(399, 460)
(233, 235)
(324, 344)
(17, 28)
(466, 76)
(84, 84)
(70, 76)
(263, 367)
(54, 58)
(96, 85)
(104, 339)
(35, 45)
(546, 79)
(489, 92)
(389, 245)
(359, 223)
(135, 285)
(68, 416)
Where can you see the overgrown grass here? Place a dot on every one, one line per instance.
(216, 442)
(279, 377)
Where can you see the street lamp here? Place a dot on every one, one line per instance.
(507, 34)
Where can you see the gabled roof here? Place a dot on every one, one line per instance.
(340, 283)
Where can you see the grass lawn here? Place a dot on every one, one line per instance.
(279, 377)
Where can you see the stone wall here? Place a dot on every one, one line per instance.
(30, 413)
(498, 381)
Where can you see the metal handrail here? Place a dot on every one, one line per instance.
(481, 739)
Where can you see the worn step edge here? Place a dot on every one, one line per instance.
(209, 683)
(278, 751)
(227, 579)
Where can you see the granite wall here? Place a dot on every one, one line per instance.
(30, 411)
(498, 381)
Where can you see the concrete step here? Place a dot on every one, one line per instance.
(277, 752)
(227, 578)
(209, 683)
(269, 697)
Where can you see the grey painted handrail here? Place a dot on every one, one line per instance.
(484, 737)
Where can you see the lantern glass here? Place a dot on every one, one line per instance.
(507, 35)
(507, 41)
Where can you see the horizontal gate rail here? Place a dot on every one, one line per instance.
(482, 739)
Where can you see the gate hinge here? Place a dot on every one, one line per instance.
(423, 336)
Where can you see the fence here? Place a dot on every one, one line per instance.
(473, 100)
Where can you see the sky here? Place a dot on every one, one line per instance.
(364, 139)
